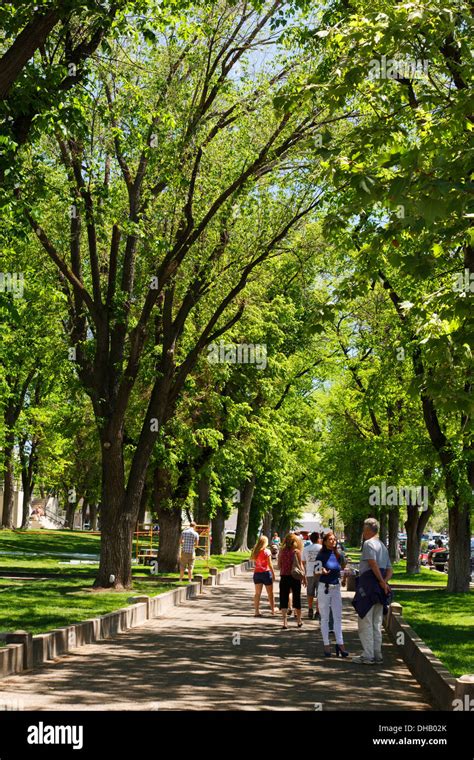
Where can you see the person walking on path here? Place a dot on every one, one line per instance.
(276, 540)
(290, 565)
(264, 574)
(310, 555)
(373, 594)
(331, 561)
(189, 542)
(275, 545)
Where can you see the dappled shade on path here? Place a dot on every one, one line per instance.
(190, 659)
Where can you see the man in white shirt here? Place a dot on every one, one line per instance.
(375, 558)
(310, 557)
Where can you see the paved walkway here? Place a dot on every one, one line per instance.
(190, 659)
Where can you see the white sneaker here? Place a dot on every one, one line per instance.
(360, 660)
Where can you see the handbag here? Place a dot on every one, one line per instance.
(297, 571)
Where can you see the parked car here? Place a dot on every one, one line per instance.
(438, 558)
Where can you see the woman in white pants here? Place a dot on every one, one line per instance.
(330, 562)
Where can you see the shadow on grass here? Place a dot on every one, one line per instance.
(48, 543)
(38, 606)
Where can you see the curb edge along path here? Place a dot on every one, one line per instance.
(210, 653)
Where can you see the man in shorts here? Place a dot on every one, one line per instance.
(189, 542)
(310, 556)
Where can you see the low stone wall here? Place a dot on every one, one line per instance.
(11, 659)
(24, 651)
(447, 692)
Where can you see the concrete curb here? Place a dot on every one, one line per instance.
(36, 651)
(11, 659)
(422, 663)
(411, 586)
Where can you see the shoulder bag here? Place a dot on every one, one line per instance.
(297, 571)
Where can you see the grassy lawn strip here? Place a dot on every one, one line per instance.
(49, 542)
(219, 561)
(445, 623)
(40, 605)
(425, 577)
(353, 554)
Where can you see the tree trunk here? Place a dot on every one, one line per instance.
(267, 525)
(393, 525)
(202, 507)
(143, 505)
(169, 521)
(415, 525)
(27, 492)
(118, 517)
(27, 42)
(29, 463)
(255, 522)
(240, 542)
(8, 481)
(383, 525)
(85, 507)
(117, 527)
(93, 518)
(353, 532)
(218, 545)
(283, 528)
(70, 512)
(459, 546)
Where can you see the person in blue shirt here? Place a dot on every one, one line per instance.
(331, 562)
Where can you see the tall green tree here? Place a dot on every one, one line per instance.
(158, 196)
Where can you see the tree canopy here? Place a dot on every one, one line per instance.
(237, 255)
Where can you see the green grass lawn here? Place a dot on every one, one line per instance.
(445, 622)
(48, 542)
(353, 554)
(42, 604)
(425, 577)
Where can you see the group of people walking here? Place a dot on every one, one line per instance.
(320, 568)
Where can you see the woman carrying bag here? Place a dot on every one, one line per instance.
(292, 576)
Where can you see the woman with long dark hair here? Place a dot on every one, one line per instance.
(290, 559)
(331, 562)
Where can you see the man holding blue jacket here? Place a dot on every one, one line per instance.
(373, 593)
